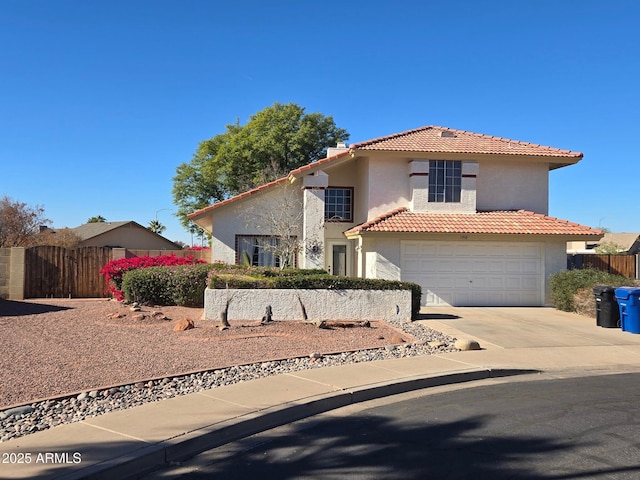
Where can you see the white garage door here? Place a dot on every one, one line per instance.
(475, 273)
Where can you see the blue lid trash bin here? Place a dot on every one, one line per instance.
(607, 309)
(629, 303)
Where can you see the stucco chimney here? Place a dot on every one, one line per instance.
(340, 147)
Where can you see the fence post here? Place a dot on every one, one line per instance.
(118, 253)
(16, 273)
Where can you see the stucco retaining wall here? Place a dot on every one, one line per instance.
(249, 304)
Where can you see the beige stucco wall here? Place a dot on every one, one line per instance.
(504, 185)
(388, 185)
(251, 304)
(381, 183)
(244, 218)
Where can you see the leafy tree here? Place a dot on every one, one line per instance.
(64, 237)
(98, 219)
(156, 227)
(19, 222)
(279, 138)
(610, 248)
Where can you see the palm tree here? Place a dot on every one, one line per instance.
(98, 219)
(156, 227)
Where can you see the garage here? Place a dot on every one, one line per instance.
(475, 273)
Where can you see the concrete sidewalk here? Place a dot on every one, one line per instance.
(124, 443)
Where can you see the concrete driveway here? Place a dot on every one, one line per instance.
(536, 337)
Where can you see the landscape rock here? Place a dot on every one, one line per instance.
(183, 324)
(466, 344)
(138, 317)
(19, 410)
(49, 413)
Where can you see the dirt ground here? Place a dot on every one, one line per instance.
(52, 347)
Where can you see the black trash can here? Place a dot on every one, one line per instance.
(607, 309)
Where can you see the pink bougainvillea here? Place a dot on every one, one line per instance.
(115, 269)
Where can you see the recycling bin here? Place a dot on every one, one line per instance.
(629, 303)
(607, 309)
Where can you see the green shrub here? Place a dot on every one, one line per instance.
(260, 277)
(564, 285)
(182, 285)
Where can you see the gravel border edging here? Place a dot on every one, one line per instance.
(42, 415)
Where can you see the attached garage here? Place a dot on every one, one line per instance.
(495, 258)
(475, 273)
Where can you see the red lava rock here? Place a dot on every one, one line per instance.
(183, 324)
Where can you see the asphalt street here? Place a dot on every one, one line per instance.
(574, 428)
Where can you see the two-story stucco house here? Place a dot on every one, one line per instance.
(464, 215)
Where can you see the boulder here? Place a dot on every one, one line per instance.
(467, 344)
(183, 324)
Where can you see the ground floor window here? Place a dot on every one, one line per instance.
(261, 251)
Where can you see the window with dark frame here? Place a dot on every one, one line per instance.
(445, 181)
(338, 204)
(258, 249)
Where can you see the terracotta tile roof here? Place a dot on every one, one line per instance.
(448, 140)
(266, 186)
(321, 162)
(494, 222)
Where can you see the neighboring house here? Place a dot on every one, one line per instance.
(462, 214)
(130, 235)
(628, 243)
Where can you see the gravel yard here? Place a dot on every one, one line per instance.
(66, 360)
(54, 347)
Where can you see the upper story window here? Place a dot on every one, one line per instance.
(338, 204)
(445, 181)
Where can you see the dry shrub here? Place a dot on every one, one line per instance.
(584, 302)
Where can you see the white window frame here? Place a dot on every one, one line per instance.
(445, 181)
(338, 211)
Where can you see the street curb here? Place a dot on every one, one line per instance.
(153, 457)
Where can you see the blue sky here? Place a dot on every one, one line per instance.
(101, 101)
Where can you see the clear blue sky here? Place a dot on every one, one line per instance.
(100, 101)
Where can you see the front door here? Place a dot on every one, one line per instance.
(339, 259)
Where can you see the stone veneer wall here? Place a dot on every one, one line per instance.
(247, 304)
(5, 261)
(12, 273)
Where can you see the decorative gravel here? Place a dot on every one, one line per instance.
(23, 420)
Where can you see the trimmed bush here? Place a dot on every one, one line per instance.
(565, 285)
(180, 285)
(115, 270)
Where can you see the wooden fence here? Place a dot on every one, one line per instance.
(61, 272)
(625, 265)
